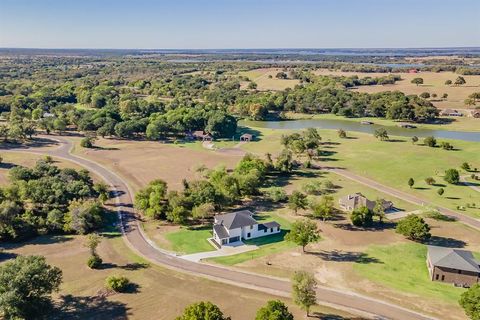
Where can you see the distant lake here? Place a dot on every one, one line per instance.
(355, 126)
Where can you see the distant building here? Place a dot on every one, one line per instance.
(246, 137)
(413, 71)
(233, 227)
(202, 135)
(453, 266)
(451, 113)
(358, 200)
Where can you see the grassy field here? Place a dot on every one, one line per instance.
(434, 82)
(457, 123)
(403, 267)
(264, 83)
(392, 163)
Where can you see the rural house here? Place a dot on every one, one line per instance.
(452, 265)
(451, 113)
(246, 137)
(235, 226)
(475, 113)
(357, 200)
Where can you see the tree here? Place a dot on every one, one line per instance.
(430, 141)
(411, 182)
(297, 200)
(84, 217)
(417, 81)
(414, 139)
(87, 142)
(324, 208)
(465, 166)
(448, 82)
(92, 242)
(470, 302)
(379, 210)
(102, 190)
(117, 283)
(303, 232)
(445, 96)
(414, 228)
(204, 310)
(452, 176)
(440, 192)
(274, 310)
(152, 199)
(430, 181)
(59, 124)
(425, 95)
(203, 211)
(361, 217)
(342, 134)
(303, 290)
(26, 284)
(381, 134)
(459, 81)
(281, 75)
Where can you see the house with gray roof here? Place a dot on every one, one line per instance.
(453, 266)
(235, 226)
(357, 200)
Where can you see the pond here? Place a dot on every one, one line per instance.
(355, 126)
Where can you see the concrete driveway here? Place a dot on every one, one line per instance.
(230, 250)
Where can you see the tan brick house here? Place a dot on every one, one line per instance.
(453, 266)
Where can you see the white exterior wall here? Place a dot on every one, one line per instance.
(235, 232)
(256, 233)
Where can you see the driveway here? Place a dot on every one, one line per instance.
(223, 252)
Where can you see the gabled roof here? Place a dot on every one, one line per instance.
(220, 231)
(268, 225)
(236, 220)
(358, 200)
(453, 259)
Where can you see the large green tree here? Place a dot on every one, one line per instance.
(303, 232)
(303, 290)
(204, 310)
(414, 228)
(274, 310)
(26, 284)
(470, 302)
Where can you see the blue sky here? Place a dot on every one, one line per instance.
(239, 23)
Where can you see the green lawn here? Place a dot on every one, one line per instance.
(393, 163)
(403, 267)
(267, 245)
(190, 240)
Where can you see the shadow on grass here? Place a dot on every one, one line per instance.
(4, 256)
(39, 240)
(376, 226)
(72, 308)
(7, 165)
(446, 242)
(274, 238)
(345, 256)
(32, 143)
(129, 266)
(328, 316)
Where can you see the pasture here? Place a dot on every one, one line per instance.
(266, 80)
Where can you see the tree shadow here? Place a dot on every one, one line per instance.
(421, 188)
(446, 242)
(375, 226)
(73, 308)
(35, 142)
(4, 256)
(329, 316)
(441, 185)
(346, 256)
(38, 240)
(7, 165)
(396, 140)
(453, 198)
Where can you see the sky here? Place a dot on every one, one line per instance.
(213, 24)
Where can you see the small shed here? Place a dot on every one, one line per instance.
(246, 137)
(202, 135)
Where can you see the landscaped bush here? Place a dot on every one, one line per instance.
(117, 283)
(361, 217)
(87, 142)
(94, 262)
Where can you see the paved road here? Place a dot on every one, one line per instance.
(403, 195)
(473, 185)
(136, 240)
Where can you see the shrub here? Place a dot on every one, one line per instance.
(430, 141)
(117, 283)
(470, 302)
(87, 142)
(430, 181)
(446, 146)
(361, 217)
(94, 262)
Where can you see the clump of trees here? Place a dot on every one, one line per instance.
(414, 228)
(45, 199)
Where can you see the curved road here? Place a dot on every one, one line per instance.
(136, 240)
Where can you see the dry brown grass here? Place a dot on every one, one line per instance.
(264, 83)
(434, 82)
(139, 162)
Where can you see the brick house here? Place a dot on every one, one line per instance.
(453, 266)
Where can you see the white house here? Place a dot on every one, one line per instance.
(235, 226)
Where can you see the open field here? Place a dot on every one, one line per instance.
(159, 293)
(264, 83)
(450, 123)
(434, 82)
(139, 162)
(393, 163)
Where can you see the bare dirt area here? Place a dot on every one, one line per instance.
(157, 293)
(139, 162)
(434, 82)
